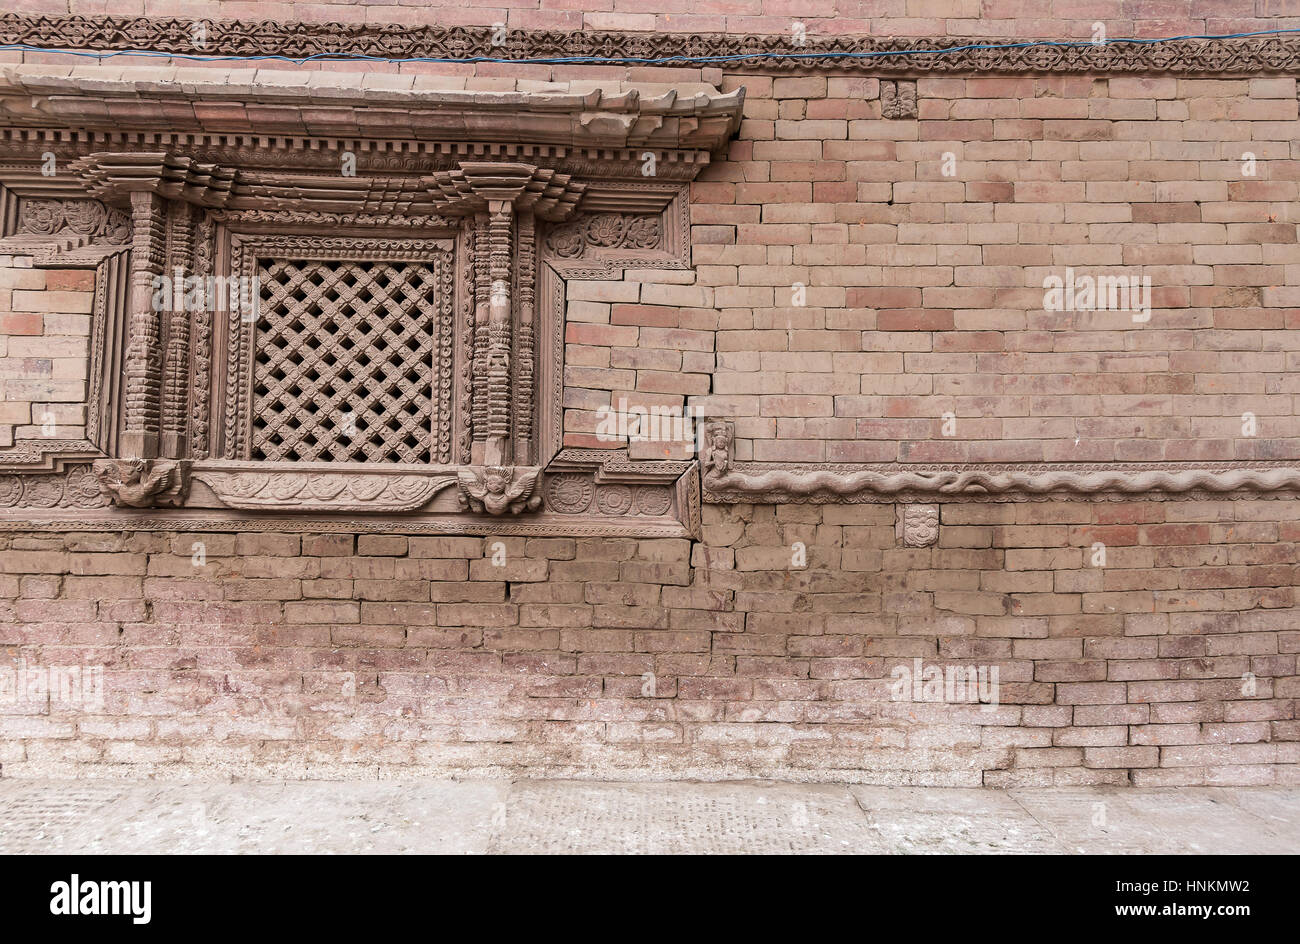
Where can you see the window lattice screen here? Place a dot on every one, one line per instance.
(343, 365)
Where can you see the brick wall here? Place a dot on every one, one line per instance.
(1173, 662)
(924, 292)
(342, 655)
(44, 346)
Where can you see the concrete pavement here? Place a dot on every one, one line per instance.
(88, 816)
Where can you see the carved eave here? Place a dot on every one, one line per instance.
(473, 186)
(694, 117)
(112, 177)
(330, 193)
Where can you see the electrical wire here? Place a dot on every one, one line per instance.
(632, 60)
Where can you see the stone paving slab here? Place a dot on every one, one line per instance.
(577, 817)
(1182, 820)
(918, 820)
(672, 818)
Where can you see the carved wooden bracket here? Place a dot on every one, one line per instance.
(499, 490)
(113, 176)
(141, 483)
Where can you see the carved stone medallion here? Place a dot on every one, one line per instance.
(917, 525)
(652, 500)
(569, 493)
(614, 499)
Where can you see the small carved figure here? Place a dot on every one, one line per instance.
(716, 455)
(137, 483)
(499, 489)
(898, 99)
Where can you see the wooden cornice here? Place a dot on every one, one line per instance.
(693, 117)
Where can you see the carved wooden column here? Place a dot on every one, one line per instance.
(500, 240)
(201, 341)
(155, 185)
(175, 390)
(504, 200)
(482, 290)
(140, 435)
(524, 373)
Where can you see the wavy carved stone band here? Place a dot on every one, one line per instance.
(976, 482)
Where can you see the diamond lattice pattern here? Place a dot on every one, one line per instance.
(344, 361)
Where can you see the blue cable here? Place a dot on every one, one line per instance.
(660, 60)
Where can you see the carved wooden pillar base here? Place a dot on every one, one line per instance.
(137, 444)
(496, 452)
(173, 444)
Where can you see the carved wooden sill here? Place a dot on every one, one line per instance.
(582, 493)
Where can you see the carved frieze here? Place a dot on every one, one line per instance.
(86, 221)
(774, 52)
(605, 231)
(729, 482)
(626, 226)
(76, 486)
(589, 492)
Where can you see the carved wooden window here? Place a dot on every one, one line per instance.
(405, 356)
(349, 357)
(344, 361)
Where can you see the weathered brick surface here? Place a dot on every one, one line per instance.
(850, 292)
(603, 657)
(854, 280)
(44, 341)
